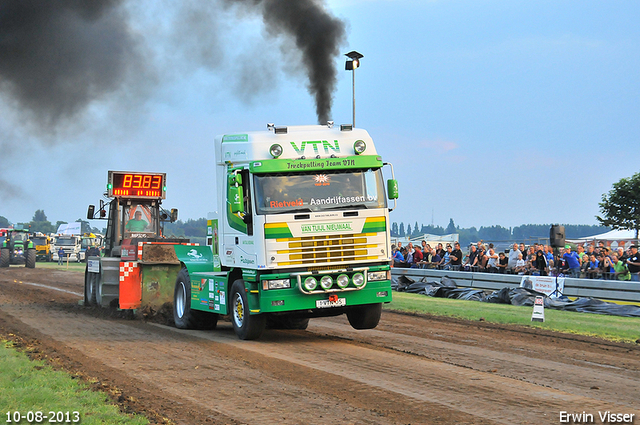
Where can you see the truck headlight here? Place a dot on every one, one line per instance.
(359, 146)
(380, 275)
(275, 150)
(310, 283)
(276, 284)
(326, 282)
(343, 281)
(358, 280)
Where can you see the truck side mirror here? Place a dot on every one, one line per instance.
(236, 199)
(91, 211)
(174, 215)
(236, 195)
(392, 189)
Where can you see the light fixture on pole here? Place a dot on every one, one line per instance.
(351, 65)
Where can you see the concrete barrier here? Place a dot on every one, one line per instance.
(626, 292)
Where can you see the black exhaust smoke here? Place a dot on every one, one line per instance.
(316, 34)
(57, 57)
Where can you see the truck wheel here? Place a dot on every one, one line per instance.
(245, 325)
(5, 257)
(364, 316)
(183, 316)
(89, 288)
(30, 260)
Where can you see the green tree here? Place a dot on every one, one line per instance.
(620, 207)
(4, 222)
(401, 231)
(394, 229)
(85, 227)
(39, 223)
(451, 228)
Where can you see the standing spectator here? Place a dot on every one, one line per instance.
(524, 251)
(60, 256)
(607, 264)
(620, 271)
(409, 255)
(427, 254)
(483, 261)
(445, 263)
(531, 254)
(440, 250)
(425, 247)
(622, 256)
(456, 257)
(435, 258)
(591, 250)
(633, 263)
(398, 259)
(513, 256)
(417, 257)
(472, 259)
(581, 252)
(593, 271)
(573, 261)
(548, 254)
(492, 262)
(584, 266)
(540, 263)
(503, 262)
(520, 267)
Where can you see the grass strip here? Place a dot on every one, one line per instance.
(33, 386)
(614, 328)
(72, 267)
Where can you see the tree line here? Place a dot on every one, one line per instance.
(525, 232)
(40, 223)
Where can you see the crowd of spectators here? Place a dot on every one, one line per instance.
(593, 263)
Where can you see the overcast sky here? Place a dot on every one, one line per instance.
(492, 112)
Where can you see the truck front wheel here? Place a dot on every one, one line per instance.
(364, 316)
(30, 260)
(90, 288)
(245, 325)
(5, 257)
(183, 316)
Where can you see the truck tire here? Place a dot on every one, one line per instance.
(30, 259)
(364, 316)
(183, 316)
(5, 257)
(90, 287)
(245, 325)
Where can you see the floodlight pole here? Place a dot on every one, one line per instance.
(353, 94)
(351, 65)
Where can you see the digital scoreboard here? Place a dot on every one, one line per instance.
(124, 184)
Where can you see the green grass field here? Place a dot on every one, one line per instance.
(72, 266)
(615, 328)
(32, 386)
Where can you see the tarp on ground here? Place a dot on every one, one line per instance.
(447, 288)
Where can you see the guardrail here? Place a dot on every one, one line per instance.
(626, 292)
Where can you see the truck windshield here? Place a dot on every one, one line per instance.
(39, 241)
(319, 191)
(19, 236)
(66, 241)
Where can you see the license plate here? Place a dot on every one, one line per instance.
(328, 304)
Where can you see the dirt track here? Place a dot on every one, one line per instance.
(410, 370)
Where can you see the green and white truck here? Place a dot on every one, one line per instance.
(302, 231)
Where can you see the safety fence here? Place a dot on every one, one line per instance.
(606, 290)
